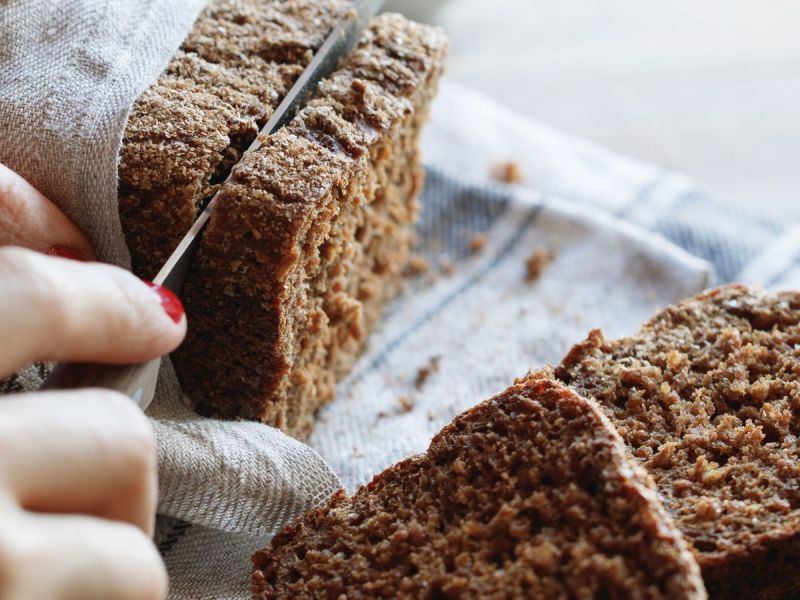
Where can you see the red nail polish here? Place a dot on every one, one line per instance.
(65, 252)
(169, 301)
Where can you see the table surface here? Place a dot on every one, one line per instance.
(711, 88)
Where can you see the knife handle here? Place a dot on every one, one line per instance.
(138, 382)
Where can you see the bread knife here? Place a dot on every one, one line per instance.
(139, 381)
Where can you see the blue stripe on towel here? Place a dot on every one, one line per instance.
(452, 212)
(527, 222)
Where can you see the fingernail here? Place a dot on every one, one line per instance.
(169, 301)
(65, 252)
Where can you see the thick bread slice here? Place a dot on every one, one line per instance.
(528, 495)
(707, 397)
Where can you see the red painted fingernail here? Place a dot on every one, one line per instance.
(169, 301)
(65, 252)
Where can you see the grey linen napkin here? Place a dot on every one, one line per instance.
(460, 333)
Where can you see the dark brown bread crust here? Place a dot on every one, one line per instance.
(309, 237)
(529, 494)
(190, 127)
(707, 397)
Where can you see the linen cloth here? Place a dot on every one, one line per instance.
(626, 238)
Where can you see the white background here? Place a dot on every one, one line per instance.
(707, 87)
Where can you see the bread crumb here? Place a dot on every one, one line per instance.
(537, 262)
(431, 415)
(417, 265)
(357, 453)
(477, 243)
(447, 267)
(507, 172)
(425, 372)
(406, 403)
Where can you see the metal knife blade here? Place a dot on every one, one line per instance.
(335, 47)
(139, 381)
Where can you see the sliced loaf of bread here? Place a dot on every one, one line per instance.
(311, 233)
(188, 129)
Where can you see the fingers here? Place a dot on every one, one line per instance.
(77, 558)
(88, 452)
(30, 220)
(64, 454)
(64, 310)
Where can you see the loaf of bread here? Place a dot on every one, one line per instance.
(310, 235)
(707, 398)
(528, 495)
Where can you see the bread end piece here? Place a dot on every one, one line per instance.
(529, 494)
(707, 397)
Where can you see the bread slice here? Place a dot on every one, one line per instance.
(528, 495)
(707, 398)
(187, 130)
(309, 237)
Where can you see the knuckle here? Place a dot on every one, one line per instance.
(128, 286)
(120, 306)
(13, 206)
(144, 558)
(138, 316)
(129, 436)
(145, 321)
(27, 272)
(15, 559)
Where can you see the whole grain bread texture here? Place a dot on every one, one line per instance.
(310, 235)
(527, 495)
(187, 130)
(707, 398)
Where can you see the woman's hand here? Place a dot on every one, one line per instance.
(78, 468)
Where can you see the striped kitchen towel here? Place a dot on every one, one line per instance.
(515, 275)
(469, 133)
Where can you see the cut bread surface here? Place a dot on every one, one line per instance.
(707, 398)
(527, 495)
